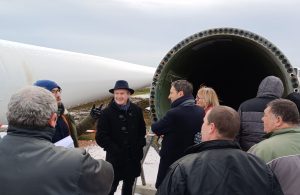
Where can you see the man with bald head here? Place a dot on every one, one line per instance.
(218, 165)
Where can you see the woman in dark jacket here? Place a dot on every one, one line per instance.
(121, 132)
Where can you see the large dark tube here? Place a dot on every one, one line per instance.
(232, 61)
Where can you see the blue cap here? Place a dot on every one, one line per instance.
(47, 84)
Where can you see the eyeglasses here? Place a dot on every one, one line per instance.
(55, 91)
(198, 98)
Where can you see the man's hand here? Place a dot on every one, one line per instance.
(96, 112)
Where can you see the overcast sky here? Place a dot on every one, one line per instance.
(143, 31)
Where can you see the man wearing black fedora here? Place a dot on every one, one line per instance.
(121, 133)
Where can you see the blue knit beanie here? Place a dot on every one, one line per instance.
(47, 84)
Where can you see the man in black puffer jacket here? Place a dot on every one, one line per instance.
(252, 110)
(218, 166)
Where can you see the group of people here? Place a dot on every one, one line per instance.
(253, 151)
(206, 148)
(31, 164)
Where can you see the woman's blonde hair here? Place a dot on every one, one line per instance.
(209, 95)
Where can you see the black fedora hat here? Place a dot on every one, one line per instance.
(121, 84)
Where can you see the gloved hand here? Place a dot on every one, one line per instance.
(96, 112)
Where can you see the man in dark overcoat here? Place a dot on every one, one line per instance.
(121, 133)
(178, 127)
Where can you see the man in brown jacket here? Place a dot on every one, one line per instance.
(65, 125)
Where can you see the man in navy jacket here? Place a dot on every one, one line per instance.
(178, 127)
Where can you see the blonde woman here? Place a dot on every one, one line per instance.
(206, 98)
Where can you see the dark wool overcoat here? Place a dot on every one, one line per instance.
(178, 127)
(122, 135)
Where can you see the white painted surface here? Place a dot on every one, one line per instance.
(83, 78)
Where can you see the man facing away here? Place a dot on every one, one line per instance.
(178, 126)
(121, 132)
(31, 165)
(65, 125)
(218, 166)
(252, 110)
(281, 149)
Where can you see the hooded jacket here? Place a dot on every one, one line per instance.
(31, 165)
(251, 111)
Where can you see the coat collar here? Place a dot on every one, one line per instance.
(123, 107)
(44, 133)
(211, 145)
(282, 131)
(117, 107)
(184, 100)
